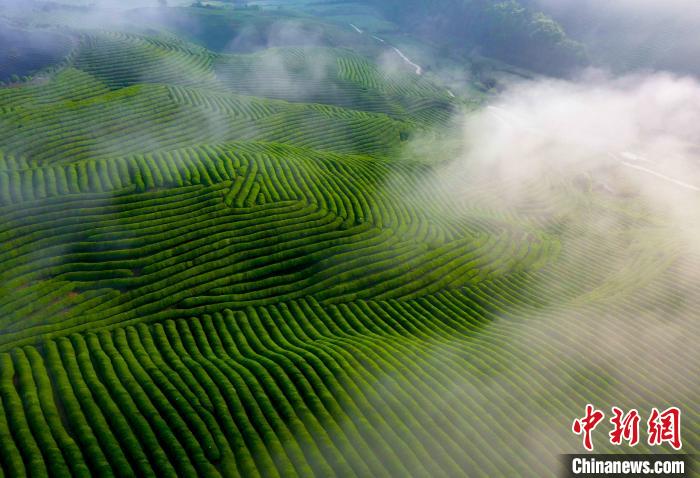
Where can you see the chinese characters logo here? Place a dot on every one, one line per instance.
(662, 427)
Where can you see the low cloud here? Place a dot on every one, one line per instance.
(608, 169)
(637, 131)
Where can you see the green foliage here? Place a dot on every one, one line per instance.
(508, 30)
(218, 264)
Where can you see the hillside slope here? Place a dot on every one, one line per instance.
(226, 264)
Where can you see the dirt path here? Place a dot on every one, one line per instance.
(419, 70)
(661, 176)
(356, 29)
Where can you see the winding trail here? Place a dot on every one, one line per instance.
(419, 70)
(661, 176)
(634, 157)
(356, 29)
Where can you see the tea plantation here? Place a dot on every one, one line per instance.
(221, 263)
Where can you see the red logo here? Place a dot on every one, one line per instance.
(662, 427)
(626, 427)
(587, 424)
(665, 427)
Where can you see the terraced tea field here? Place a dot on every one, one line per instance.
(226, 264)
